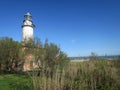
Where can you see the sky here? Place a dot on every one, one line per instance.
(78, 27)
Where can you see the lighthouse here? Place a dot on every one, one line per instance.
(27, 28)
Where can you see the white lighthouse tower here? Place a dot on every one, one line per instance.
(27, 28)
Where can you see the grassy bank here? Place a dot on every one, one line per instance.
(7, 81)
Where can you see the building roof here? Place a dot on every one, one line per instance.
(28, 14)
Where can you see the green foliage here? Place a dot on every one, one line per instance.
(14, 81)
(9, 53)
(25, 84)
(103, 87)
(54, 56)
(97, 75)
(48, 54)
(55, 72)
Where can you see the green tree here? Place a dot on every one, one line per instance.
(47, 56)
(10, 54)
(54, 58)
(54, 55)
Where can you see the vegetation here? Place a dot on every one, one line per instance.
(10, 54)
(55, 72)
(89, 75)
(15, 82)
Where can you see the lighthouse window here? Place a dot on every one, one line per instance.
(27, 18)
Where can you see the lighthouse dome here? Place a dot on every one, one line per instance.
(28, 14)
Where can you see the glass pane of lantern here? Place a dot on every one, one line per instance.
(28, 18)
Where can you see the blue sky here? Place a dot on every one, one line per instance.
(78, 27)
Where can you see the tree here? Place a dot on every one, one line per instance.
(47, 56)
(10, 54)
(54, 57)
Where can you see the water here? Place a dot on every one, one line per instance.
(110, 57)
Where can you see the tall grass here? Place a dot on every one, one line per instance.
(88, 75)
